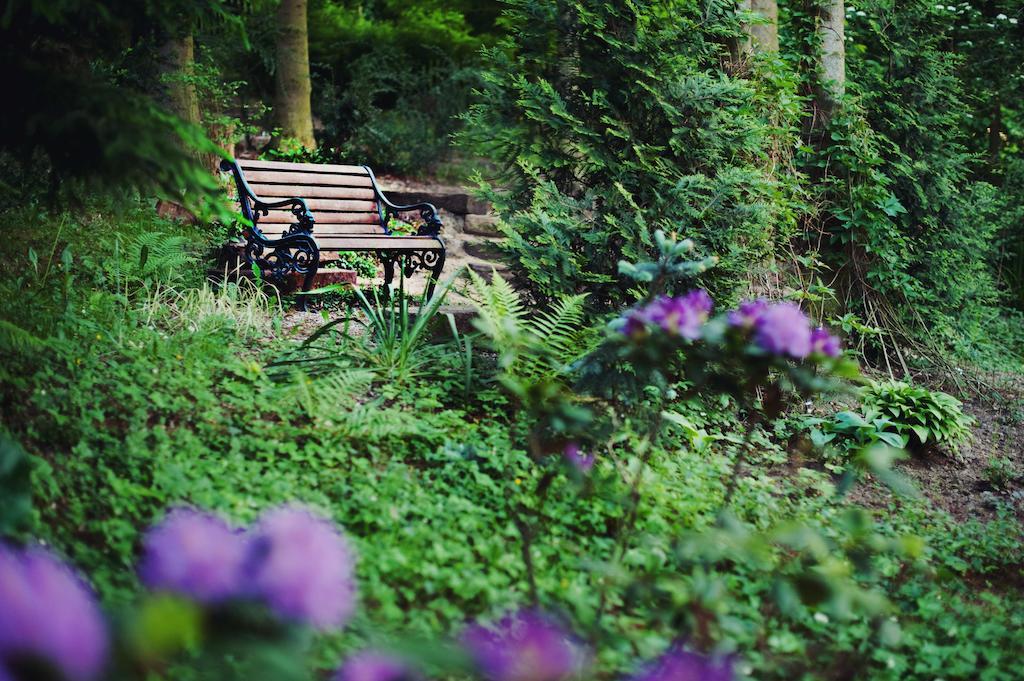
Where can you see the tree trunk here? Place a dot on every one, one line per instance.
(178, 55)
(741, 46)
(293, 89)
(995, 133)
(831, 18)
(765, 37)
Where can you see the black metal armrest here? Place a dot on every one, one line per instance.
(304, 219)
(428, 212)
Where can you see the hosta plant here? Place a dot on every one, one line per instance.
(928, 418)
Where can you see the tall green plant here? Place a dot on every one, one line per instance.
(609, 121)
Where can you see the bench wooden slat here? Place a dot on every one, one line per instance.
(276, 229)
(323, 217)
(306, 179)
(381, 243)
(269, 191)
(341, 205)
(247, 164)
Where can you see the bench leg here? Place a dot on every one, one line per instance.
(435, 274)
(307, 285)
(389, 273)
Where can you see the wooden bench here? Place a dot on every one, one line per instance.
(285, 201)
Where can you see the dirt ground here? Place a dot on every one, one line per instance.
(969, 483)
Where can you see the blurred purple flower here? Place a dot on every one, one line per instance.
(580, 461)
(370, 665)
(302, 567)
(635, 323)
(783, 329)
(194, 554)
(680, 316)
(748, 314)
(48, 612)
(523, 646)
(682, 665)
(824, 343)
(683, 315)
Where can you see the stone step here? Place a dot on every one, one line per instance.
(487, 270)
(484, 248)
(482, 225)
(453, 201)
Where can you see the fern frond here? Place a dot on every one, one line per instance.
(500, 310)
(16, 339)
(151, 256)
(560, 327)
(337, 393)
(371, 422)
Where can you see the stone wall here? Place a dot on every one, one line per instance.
(470, 233)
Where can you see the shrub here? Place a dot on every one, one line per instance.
(1000, 472)
(852, 431)
(624, 125)
(928, 418)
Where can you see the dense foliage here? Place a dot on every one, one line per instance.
(608, 122)
(921, 226)
(640, 457)
(131, 399)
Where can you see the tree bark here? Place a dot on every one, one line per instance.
(293, 89)
(995, 133)
(765, 37)
(178, 55)
(831, 18)
(742, 46)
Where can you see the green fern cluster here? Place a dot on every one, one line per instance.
(532, 347)
(341, 400)
(149, 258)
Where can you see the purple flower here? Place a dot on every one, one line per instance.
(580, 461)
(523, 646)
(824, 343)
(47, 612)
(680, 316)
(783, 329)
(303, 567)
(370, 665)
(683, 315)
(748, 314)
(194, 554)
(635, 323)
(682, 665)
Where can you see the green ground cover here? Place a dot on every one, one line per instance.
(133, 385)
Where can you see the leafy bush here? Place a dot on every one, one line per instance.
(622, 125)
(856, 431)
(391, 78)
(1000, 472)
(916, 225)
(926, 418)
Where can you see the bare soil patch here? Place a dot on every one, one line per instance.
(970, 483)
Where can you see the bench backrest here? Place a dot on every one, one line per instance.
(341, 198)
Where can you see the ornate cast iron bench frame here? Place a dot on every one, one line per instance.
(298, 249)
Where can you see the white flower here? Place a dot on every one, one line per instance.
(1013, 20)
(1001, 17)
(821, 617)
